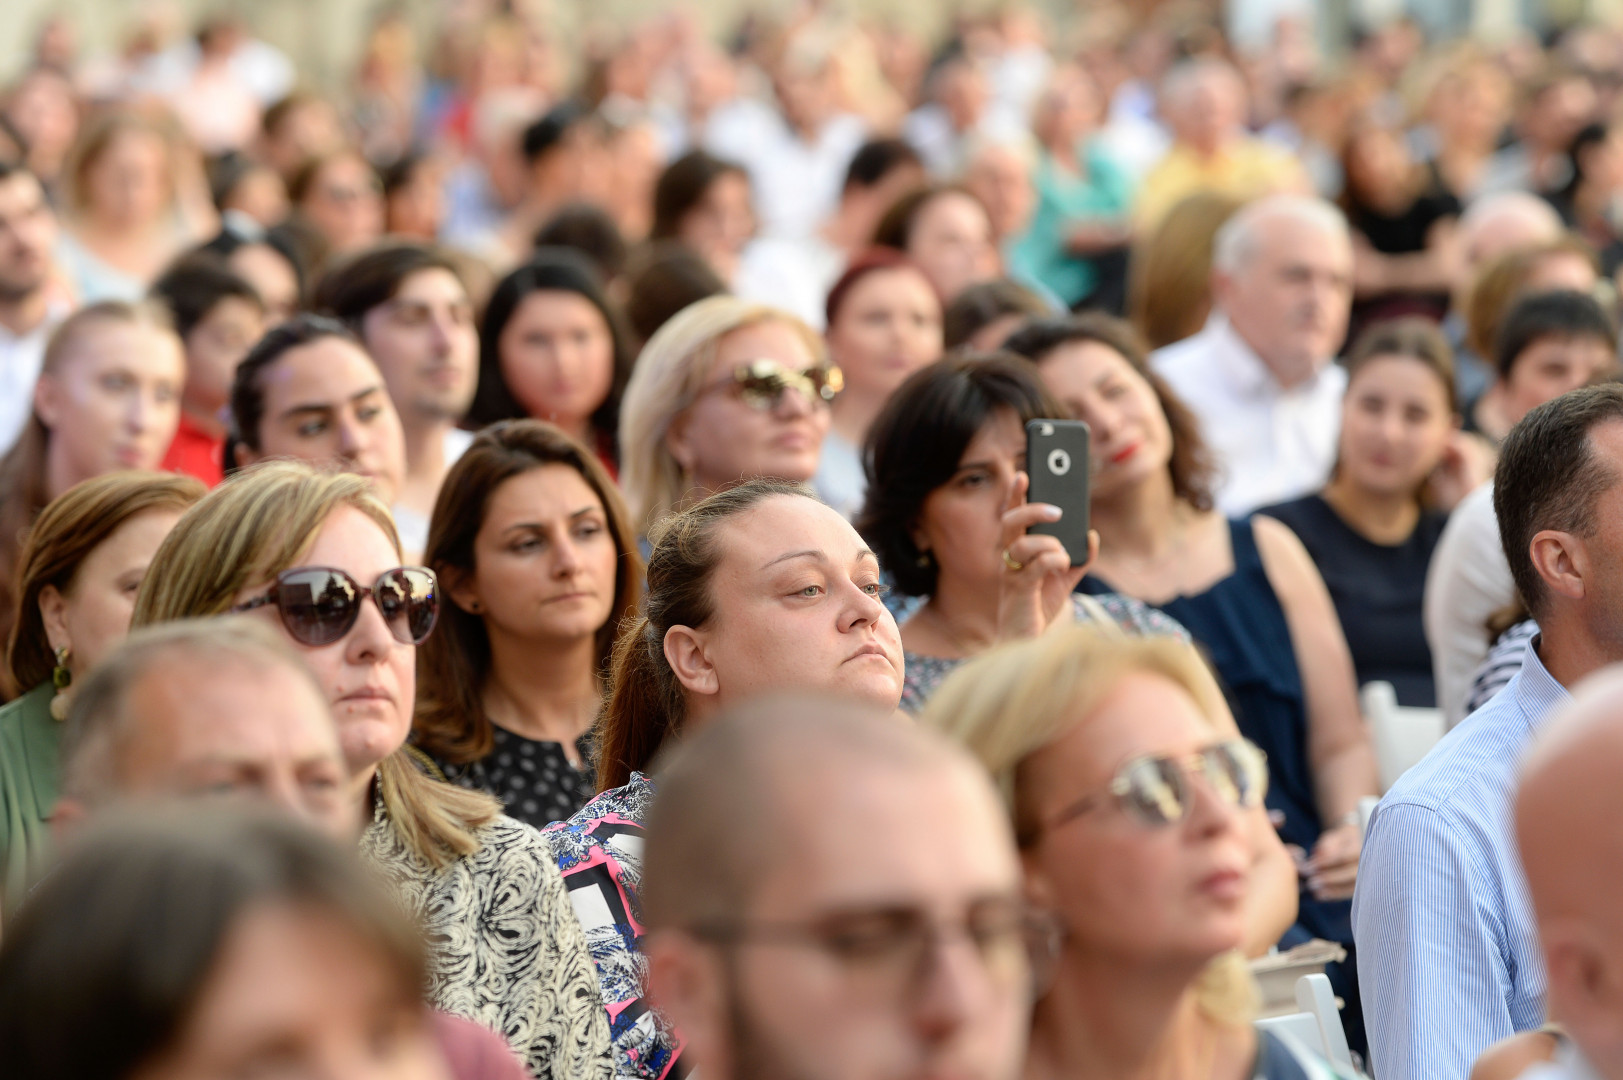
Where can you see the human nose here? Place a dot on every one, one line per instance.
(565, 557)
(794, 402)
(369, 640)
(863, 609)
(953, 986)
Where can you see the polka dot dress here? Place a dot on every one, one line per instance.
(534, 779)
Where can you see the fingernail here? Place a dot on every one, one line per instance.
(1053, 513)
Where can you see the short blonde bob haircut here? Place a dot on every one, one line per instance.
(1011, 702)
(670, 372)
(257, 524)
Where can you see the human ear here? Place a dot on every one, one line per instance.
(53, 611)
(677, 443)
(687, 983)
(685, 652)
(1561, 561)
(460, 587)
(244, 454)
(48, 400)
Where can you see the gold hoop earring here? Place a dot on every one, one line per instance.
(61, 678)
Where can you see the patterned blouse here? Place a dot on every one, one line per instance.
(599, 853)
(922, 674)
(533, 779)
(505, 948)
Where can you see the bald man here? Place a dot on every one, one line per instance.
(1259, 374)
(1569, 828)
(216, 707)
(810, 913)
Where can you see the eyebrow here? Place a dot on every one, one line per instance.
(576, 516)
(864, 554)
(327, 406)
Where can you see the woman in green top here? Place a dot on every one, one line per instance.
(1083, 196)
(75, 586)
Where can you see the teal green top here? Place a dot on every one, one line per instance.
(29, 739)
(1065, 200)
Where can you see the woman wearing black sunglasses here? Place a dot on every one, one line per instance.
(318, 554)
(1139, 811)
(727, 390)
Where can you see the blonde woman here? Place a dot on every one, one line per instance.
(727, 390)
(1139, 812)
(317, 554)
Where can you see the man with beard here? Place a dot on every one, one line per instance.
(410, 308)
(830, 893)
(27, 310)
(1259, 375)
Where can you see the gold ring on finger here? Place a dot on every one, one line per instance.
(1011, 562)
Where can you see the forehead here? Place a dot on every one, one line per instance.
(1144, 713)
(1566, 347)
(326, 371)
(1401, 373)
(771, 340)
(230, 708)
(784, 524)
(547, 491)
(119, 343)
(1291, 239)
(1002, 436)
(434, 284)
(554, 306)
(932, 837)
(351, 541)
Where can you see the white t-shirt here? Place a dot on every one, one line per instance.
(840, 480)
(794, 275)
(20, 360)
(1467, 582)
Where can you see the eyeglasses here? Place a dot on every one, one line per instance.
(319, 605)
(1155, 790)
(885, 953)
(761, 384)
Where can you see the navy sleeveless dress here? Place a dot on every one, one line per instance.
(1241, 627)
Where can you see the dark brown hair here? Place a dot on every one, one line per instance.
(1412, 338)
(1194, 470)
(895, 228)
(917, 440)
(646, 703)
(1549, 476)
(352, 287)
(682, 186)
(454, 662)
(73, 526)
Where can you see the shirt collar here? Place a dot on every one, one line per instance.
(1537, 692)
(1241, 367)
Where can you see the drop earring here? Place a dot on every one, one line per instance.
(61, 678)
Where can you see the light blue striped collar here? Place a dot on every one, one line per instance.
(1537, 692)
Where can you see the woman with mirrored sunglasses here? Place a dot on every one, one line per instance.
(1139, 811)
(727, 390)
(318, 554)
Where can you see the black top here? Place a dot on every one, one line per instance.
(1403, 233)
(1377, 589)
(534, 779)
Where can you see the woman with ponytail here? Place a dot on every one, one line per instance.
(757, 589)
(317, 554)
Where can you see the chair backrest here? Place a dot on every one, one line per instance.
(1302, 1026)
(1315, 998)
(1402, 736)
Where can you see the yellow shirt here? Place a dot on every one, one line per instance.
(1244, 169)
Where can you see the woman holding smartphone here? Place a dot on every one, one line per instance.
(1247, 591)
(947, 514)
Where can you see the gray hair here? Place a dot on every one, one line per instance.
(1237, 240)
(1187, 74)
(96, 732)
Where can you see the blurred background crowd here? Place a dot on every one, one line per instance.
(469, 420)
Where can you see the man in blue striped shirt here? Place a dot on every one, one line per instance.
(1448, 953)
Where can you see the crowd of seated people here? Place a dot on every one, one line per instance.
(524, 561)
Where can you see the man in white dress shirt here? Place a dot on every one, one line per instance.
(1260, 375)
(27, 314)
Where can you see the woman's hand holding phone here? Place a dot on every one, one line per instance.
(1038, 578)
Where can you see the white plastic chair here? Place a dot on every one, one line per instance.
(1402, 736)
(1318, 1025)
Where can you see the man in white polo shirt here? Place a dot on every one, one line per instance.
(28, 312)
(1260, 375)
